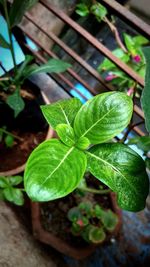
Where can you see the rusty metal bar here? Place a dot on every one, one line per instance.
(70, 71)
(43, 60)
(137, 110)
(105, 51)
(128, 16)
(71, 53)
(61, 76)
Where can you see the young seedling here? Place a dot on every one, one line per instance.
(91, 222)
(56, 167)
(9, 192)
(11, 84)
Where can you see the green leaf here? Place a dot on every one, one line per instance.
(109, 220)
(96, 235)
(15, 102)
(140, 40)
(108, 65)
(142, 142)
(129, 42)
(123, 170)
(14, 195)
(66, 134)
(1, 195)
(99, 11)
(82, 143)
(103, 117)
(18, 9)
(74, 214)
(98, 211)
(86, 207)
(3, 182)
(3, 42)
(15, 180)
(82, 10)
(147, 162)
(9, 140)
(53, 170)
(63, 111)
(145, 98)
(23, 69)
(52, 66)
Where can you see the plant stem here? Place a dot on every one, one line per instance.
(131, 127)
(10, 37)
(1, 65)
(116, 33)
(13, 135)
(95, 191)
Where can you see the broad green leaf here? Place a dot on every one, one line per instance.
(9, 140)
(103, 117)
(14, 195)
(63, 111)
(53, 170)
(123, 170)
(142, 142)
(109, 220)
(96, 235)
(66, 134)
(3, 182)
(82, 143)
(109, 65)
(140, 40)
(129, 42)
(53, 65)
(15, 102)
(18, 9)
(15, 180)
(3, 42)
(82, 10)
(145, 98)
(99, 11)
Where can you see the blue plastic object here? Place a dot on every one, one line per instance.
(5, 54)
(81, 90)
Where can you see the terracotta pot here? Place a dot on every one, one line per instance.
(48, 238)
(21, 168)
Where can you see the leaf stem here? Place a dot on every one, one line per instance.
(114, 30)
(131, 127)
(95, 191)
(13, 135)
(10, 36)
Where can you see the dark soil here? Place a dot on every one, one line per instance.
(11, 158)
(54, 215)
(30, 126)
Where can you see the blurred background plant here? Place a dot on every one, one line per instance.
(91, 222)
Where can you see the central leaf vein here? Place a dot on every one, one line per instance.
(58, 166)
(64, 114)
(98, 121)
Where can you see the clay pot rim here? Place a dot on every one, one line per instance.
(21, 168)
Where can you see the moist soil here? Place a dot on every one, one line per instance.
(54, 214)
(29, 125)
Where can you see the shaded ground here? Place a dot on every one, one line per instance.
(18, 248)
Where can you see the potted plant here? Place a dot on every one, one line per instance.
(19, 98)
(56, 167)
